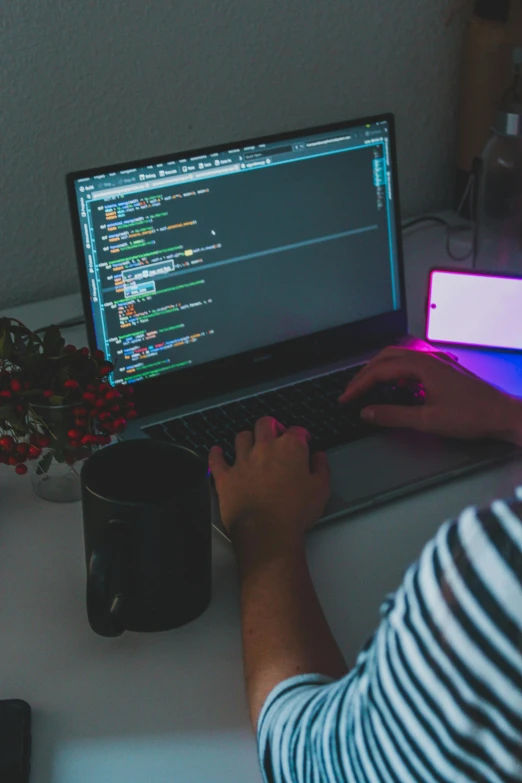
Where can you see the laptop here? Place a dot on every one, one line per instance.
(255, 278)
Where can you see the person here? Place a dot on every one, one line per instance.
(436, 693)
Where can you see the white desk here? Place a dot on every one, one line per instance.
(171, 707)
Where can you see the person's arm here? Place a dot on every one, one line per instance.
(285, 632)
(267, 500)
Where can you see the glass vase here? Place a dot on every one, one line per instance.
(56, 481)
(55, 474)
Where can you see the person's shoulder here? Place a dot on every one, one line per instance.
(476, 558)
(485, 550)
(500, 523)
(494, 531)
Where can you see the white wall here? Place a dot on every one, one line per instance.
(102, 81)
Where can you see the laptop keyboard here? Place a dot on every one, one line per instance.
(311, 404)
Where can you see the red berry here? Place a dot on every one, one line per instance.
(48, 393)
(74, 434)
(16, 386)
(21, 469)
(105, 371)
(119, 425)
(99, 356)
(34, 452)
(22, 449)
(71, 384)
(12, 461)
(131, 414)
(105, 416)
(80, 421)
(74, 443)
(6, 443)
(44, 442)
(106, 439)
(19, 409)
(80, 411)
(86, 440)
(100, 402)
(6, 394)
(104, 387)
(84, 351)
(112, 395)
(70, 349)
(89, 397)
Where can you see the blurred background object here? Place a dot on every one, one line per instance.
(494, 29)
(498, 244)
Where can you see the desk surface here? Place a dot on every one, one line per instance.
(171, 706)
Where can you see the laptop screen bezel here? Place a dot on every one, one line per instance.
(231, 373)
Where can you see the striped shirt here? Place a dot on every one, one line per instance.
(436, 694)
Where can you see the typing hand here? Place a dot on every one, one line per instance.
(274, 489)
(458, 404)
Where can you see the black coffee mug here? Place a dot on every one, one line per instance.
(147, 528)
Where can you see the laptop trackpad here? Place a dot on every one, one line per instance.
(400, 458)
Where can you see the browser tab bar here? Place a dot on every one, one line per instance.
(165, 181)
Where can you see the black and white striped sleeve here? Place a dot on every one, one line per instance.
(436, 695)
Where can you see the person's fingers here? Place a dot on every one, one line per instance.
(244, 444)
(280, 428)
(395, 416)
(217, 463)
(267, 429)
(300, 433)
(383, 372)
(387, 354)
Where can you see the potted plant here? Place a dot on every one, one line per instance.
(57, 405)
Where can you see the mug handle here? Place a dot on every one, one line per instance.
(107, 578)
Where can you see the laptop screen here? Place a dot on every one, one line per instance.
(202, 257)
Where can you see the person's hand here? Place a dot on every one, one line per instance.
(274, 488)
(458, 403)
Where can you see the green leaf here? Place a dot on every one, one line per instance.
(5, 410)
(18, 426)
(56, 400)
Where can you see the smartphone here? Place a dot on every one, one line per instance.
(15, 741)
(474, 308)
